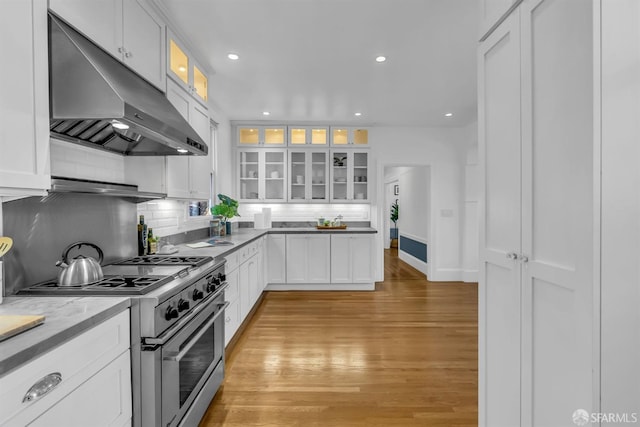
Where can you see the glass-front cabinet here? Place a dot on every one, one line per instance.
(350, 175)
(262, 175)
(343, 136)
(268, 136)
(309, 135)
(308, 176)
(183, 68)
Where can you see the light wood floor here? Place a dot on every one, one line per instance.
(404, 355)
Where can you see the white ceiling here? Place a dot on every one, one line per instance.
(314, 60)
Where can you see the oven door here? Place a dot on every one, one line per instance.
(189, 359)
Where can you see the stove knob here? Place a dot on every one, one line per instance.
(197, 294)
(216, 282)
(222, 277)
(183, 305)
(171, 313)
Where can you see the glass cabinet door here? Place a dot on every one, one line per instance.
(309, 135)
(275, 163)
(248, 136)
(200, 84)
(339, 176)
(360, 176)
(275, 135)
(178, 62)
(341, 136)
(183, 69)
(249, 169)
(319, 178)
(262, 135)
(298, 175)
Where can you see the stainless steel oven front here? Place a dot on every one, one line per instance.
(182, 369)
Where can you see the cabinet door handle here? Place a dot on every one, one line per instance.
(512, 256)
(128, 54)
(524, 258)
(120, 49)
(42, 387)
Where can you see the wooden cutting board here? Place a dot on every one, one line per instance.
(11, 325)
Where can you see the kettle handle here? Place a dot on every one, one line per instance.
(78, 245)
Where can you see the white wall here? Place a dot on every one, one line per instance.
(620, 209)
(471, 221)
(443, 150)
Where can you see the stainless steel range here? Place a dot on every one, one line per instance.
(177, 332)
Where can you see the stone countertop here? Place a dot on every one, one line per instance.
(243, 236)
(65, 318)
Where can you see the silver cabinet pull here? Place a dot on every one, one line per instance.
(128, 54)
(512, 256)
(120, 49)
(524, 258)
(42, 387)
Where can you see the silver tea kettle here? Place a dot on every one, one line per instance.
(81, 270)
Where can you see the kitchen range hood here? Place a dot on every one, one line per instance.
(98, 102)
(127, 191)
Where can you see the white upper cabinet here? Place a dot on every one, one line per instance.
(308, 135)
(256, 136)
(308, 175)
(349, 136)
(491, 11)
(350, 176)
(24, 99)
(262, 175)
(184, 69)
(127, 29)
(189, 177)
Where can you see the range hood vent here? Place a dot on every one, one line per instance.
(98, 102)
(129, 192)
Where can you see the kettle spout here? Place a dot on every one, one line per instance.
(61, 264)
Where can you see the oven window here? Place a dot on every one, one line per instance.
(196, 361)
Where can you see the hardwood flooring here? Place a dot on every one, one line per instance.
(404, 355)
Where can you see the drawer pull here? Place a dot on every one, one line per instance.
(42, 387)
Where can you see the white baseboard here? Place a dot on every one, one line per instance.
(469, 276)
(446, 275)
(413, 261)
(321, 287)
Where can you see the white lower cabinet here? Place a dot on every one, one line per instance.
(308, 258)
(351, 258)
(275, 259)
(92, 378)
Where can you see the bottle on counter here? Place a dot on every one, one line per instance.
(141, 239)
(152, 243)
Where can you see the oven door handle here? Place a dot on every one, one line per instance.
(178, 357)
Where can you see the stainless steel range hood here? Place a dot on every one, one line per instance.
(126, 191)
(98, 102)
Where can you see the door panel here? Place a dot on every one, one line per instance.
(557, 222)
(318, 254)
(499, 287)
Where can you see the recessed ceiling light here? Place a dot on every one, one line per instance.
(381, 58)
(119, 125)
(265, 113)
(182, 150)
(448, 115)
(358, 114)
(233, 56)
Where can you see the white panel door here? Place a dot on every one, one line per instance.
(499, 284)
(144, 42)
(275, 258)
(200, 167)
(557, 201)
(296, 258)
(340, 259)
(362, 258)
(318, 259)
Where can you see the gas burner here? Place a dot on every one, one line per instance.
(194, 261)
(110, 285)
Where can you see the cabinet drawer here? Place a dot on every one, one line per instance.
(75, 360)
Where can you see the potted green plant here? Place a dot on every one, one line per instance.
(394, 218)
(225, 210)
